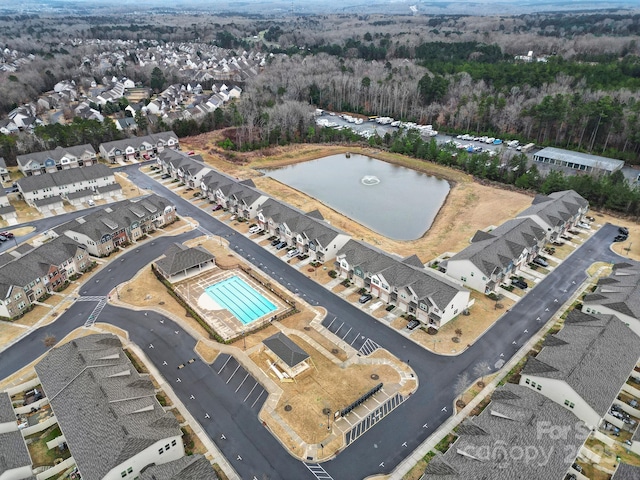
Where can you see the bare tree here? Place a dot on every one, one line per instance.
(49, 341)
(460, 387)
(480, 371)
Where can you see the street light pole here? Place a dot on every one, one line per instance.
(328, 420)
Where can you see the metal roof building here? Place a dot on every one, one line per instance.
(577, 161)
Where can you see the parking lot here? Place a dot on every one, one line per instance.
(347, 334)
(246, 388)
(385, 408)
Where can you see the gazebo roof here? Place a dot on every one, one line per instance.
(286, 349)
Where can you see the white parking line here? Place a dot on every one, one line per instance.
(256, 400)
(245, 377)
(234, 372)
(225, 364)
(249, 394)
(346, 333)
(357, 336)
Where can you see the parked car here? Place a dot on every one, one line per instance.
(292, 253)
(255, 229)
(275, 242)
(91, 203)
(584, 225)
(412, 324)
(577, 467)
(7, 234)
(3, 238)
(365, 298)
(623, 230)
(540, 261)
(520, 283)
(620, 238)
(232, 217)
(217, 207)
(165, 176)
(281, 245)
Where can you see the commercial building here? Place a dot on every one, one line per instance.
(582, 162)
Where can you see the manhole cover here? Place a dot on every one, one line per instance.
(374, 376)
(307, 328)
(326, 411)
(288, 408)
(335, 351)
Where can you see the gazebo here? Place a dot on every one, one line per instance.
(184, 262)
(287, 356)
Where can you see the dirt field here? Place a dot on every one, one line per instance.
(470, 206)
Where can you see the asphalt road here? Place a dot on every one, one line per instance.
(380, 449)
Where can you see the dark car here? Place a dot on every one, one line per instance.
(165, 176)
(412, 324)
(620, 238)
(365, 298)
(540, 261)
(623, 230)
(275, 242)
(281, 245)
(216, 208)
(520, 283)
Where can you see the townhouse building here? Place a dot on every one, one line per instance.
(404, 282)
(138, 148)
(60, 158)
(28, 273)
(189, 169)
(107, 412)
(557, 212)
(5, 176)
(516, 420)
(495, 255)
(584, 366)
(64, 182)
(618, 294)
(193, 467)
(308, 232)
(121, 223)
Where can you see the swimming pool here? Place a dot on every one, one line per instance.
(239, 298)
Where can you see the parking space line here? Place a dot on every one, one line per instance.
(357, 336)
(225, 364)
(256, 400)
(234, 372)
(243, 380)
(347, 333)
(336, 332)
(249, 394)
(329, 326)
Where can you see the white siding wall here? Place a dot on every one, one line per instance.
(467, 273)
(147, 457)
(559, 391)
(17, 473)
(455, 308)
(336, 244)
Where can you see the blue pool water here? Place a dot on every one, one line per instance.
(235, 295)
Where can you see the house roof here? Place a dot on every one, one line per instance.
(512, 422)
(106, 410)
(41, 202)
(593, 161)
(64, 177)
(620, 291)
(556, 208)
(193, 467)
(110, 188)
(135, 142)
(626, 472)
(6, 409)
(595, 357)
(178, 258)
(428, 286)
(13, 452)
(494, 251)
(286, 349)
(56, 154)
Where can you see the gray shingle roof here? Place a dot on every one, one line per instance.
(106, 410)
(110, 188)
(429, 287)
(41, 202)
(13, 452)
(56, 154)
(597, 358)
(626, 472)
(194, 467)
(286, 349)
(488, 445)
(556, 208)
(594, 161)
(135, 142)
(5, 210)
(620, 291)
(492, 252)
(178, 258)
(64, 177)
(6, 409)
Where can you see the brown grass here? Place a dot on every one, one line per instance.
(206, 351)
(108, 328)
(325, 386)
(9, 332)
(470, 206)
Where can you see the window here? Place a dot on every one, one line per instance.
(129, 470)
(527, 381)
(167, 446)
(123, 474)
(533, 384)
(173, 443)
(464, 279)
(161, 451)
(569, 404)
(539, 387)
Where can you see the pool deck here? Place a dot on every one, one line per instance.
(222, 320)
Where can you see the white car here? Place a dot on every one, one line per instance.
(584, 225)
(255, 229)
(292, 253)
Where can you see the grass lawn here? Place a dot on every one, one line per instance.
(40, 454)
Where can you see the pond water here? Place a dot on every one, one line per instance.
(394, 201)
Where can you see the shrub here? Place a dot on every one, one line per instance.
(333, 273)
